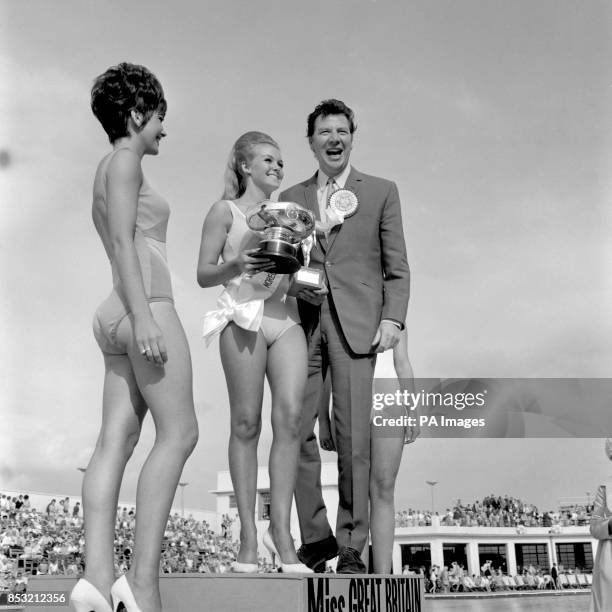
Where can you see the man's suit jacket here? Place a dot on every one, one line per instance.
(364, 259)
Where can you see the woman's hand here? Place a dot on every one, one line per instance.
(412, 433)
(150, 340)
(326, 439)
(210, 272)
(247, 264)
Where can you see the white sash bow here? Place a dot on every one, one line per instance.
(242, 302)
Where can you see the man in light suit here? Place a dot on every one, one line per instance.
(367, 276)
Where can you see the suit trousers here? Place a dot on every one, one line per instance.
(351, 380)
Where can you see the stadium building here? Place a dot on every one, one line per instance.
(510, 548)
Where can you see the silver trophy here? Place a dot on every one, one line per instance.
(283, 225)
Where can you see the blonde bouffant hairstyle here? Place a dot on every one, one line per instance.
(242, 153)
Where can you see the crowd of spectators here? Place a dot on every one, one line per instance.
(32, 541)
(51, 541)
(457, 579)
(496, 511)
(192, 546)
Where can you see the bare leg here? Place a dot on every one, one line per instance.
(287, 370)
(169, 396)
(123, 410)
(385, 458)
(243, 355)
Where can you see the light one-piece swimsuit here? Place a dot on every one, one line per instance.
(150, 243)
(279, 310)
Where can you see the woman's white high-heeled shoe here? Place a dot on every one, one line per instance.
(286, 568)
(122, 596)
(244, 568)
(86, 598)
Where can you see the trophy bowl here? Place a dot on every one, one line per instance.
(283, 225)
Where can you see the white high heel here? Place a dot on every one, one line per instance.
(86, 598)
(122, 596)
(244, 568)
(286, 568)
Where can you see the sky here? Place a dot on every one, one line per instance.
(493, 118)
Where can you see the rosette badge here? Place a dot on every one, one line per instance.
(343, 202)
(283, 225)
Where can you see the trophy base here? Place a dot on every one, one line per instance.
(308, 278)
(281, 253)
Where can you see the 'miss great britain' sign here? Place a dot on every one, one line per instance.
(364, 594)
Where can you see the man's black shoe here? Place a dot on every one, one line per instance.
(349, 562)
(315, 554)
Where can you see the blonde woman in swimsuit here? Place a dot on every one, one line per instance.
(146, 357)
(260, 337)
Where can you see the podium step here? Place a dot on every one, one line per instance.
(270, 593)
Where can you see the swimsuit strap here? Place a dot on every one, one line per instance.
(234, 208)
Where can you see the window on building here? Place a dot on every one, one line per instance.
(264, 505)
(575, 555)
(455, 552)
(531, 554)
(496, 554)
(232, 501)
(416, 556)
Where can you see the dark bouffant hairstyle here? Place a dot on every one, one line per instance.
(124, 88)
(330, 107)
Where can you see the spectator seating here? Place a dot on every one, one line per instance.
(562, 581)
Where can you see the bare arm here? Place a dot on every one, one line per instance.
(123, 182)
(405, 375)
(401, 361)
(214, 234)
